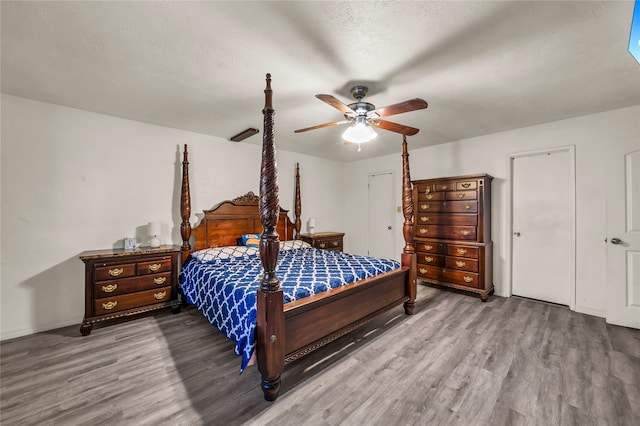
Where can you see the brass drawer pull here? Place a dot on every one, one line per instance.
(159, 296)
(110, 305)
(423, 230)
(427, 191)
(424, 218)
(428, 246)
(160, 280)
(109, 288)
(465, 232)
(154, 267)
(466, 185)
(444, 187)
(428, 259)
(429, 196)
(424, 206)
(335, 243)
(467, 207)
(115, 272)
(322, 245)
(467, 279)
(461, 195)
(461, 251)
(460, 264)
(423, 271)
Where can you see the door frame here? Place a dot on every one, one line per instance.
(393, 196)
(508, 227)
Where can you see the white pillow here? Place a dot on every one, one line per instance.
(293, 244)
(228, 252)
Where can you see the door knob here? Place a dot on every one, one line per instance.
(389, 227)
(517, 234)
(616, 241)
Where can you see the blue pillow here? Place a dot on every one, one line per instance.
(251, 240)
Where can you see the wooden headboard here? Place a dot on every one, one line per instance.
(227, 221)
(223, 224)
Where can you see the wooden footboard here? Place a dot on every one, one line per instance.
(312, 322)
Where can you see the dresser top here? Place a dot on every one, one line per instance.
(323, 234)
(117, 253)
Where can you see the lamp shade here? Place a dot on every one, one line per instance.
(312, 222)
(154, 229)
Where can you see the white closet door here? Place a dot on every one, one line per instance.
(382, 216)
(542, 261)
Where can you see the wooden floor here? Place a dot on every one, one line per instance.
(456, 362)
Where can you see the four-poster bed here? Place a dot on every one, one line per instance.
(286, 331)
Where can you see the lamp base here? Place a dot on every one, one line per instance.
(155, 242)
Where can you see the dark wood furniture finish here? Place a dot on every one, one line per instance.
(325, 240)
(286, 332)
(453, 232)
(121, 282)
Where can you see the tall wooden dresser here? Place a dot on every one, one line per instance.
(453, 232)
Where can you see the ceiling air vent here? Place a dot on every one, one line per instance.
(244, 134)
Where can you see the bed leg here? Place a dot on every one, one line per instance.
(270, 340)
(409, 260)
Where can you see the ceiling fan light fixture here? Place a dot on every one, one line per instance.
(359, 132)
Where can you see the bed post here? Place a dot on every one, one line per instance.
(270, 313)
(298, 205)
(185, 207)
(409, 253)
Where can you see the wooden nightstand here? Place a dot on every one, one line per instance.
(324, 240)
(121, 282)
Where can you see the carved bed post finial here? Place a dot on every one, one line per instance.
(269, 300)
(185, 205)
(408, 254)
(298, 204)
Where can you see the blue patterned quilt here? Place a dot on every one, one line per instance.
(224, 288)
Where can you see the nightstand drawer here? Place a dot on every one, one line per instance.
(329, 244)
(154, 266)
(130, 285)
(109, 305)
(110, 272)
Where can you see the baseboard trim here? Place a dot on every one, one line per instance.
(13, 334)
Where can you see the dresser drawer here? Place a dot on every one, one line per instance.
(430, 247)
(110, 272)
(430, 196)
(461, 195)
(430, 272)
(457, 263)
(448, 206)
(447, 219)
(154, 266)
(469, 279)
(463, 251)
(466, 185)
(430, 259)
(130, 285)
(448, 232)
(444, 186)
(108, 305)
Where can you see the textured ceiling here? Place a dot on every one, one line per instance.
(482, 66)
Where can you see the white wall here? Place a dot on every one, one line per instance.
(488, 154)
(72, 180)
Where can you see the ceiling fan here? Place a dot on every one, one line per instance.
(364, 115)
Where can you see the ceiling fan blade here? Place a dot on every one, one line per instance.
(399, 108)
(334, 102)
(395, 127)
(320, 126)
